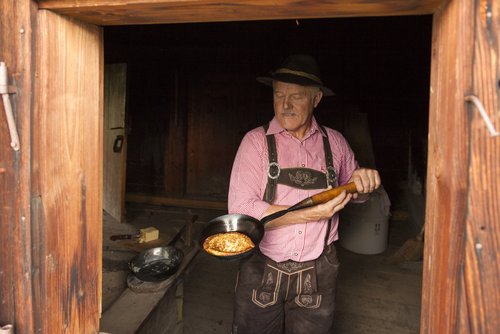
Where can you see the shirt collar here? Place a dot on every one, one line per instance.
(275, 127)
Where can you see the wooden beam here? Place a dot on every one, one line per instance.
(482, 238)
(125, 12)
(447, 175)
(180, 202)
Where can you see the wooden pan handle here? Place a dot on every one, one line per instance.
(324, 196)
(327, 195)
(320, 198)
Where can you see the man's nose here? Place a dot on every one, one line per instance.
(286, 102)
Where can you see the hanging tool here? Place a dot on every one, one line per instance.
(4, 91)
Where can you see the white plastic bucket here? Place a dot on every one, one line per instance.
(364, 227)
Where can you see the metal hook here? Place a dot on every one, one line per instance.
(4, 91)
(477, 103)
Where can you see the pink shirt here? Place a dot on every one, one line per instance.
(298, 242)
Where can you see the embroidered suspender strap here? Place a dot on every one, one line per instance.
(273, 171)
(331, 175)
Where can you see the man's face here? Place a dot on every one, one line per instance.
(294, 106)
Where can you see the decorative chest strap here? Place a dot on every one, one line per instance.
(304, 178)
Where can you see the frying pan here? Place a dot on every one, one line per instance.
(158, 263)
(254, 228)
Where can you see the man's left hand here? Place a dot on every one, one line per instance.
(367, 180)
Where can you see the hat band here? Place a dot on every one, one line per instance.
(300, 74)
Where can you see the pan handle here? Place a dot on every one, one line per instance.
(122, 237)
(319, 198)
(324, 196)
(177, 236)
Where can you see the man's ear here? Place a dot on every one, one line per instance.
(317, 97)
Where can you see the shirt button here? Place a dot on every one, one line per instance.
(303, 165)
(295, 254)
(300, 232)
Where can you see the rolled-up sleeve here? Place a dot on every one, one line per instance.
(344, 155)
(248, 179)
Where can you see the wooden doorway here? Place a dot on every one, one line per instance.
(451, 287)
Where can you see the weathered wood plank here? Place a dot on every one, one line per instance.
(67, 151)
(447, 174)
(174, 159)
(17, 273)
(120, 12)
(115, 97)
(482, 264)
(179, 202)
(209, 295)
(131, 309)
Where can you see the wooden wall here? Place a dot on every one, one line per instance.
(461, 271)
(67, 181)
(50, 190)
(53, 217)
(193, 92)
(16, 268)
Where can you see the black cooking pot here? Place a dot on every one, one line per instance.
(158, 263)
(254, 228)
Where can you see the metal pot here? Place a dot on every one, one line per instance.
(158, 263)
(254, 228)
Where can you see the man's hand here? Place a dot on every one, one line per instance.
(367, 180)
(328, 209)
(314, 213)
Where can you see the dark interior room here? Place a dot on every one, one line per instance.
(192, 94)
(202, 77)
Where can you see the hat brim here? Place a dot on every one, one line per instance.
(268, 81)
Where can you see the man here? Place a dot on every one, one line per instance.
(288, 284)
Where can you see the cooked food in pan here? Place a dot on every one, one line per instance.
(227, 244)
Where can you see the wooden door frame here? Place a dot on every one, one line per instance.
(102, 15)
(452, 122)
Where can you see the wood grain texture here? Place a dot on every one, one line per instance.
(67, 168)
(482, 236)
(16, 268)
(447, 178)
(174, 159)
(114, 164)
(178, 202)
(119, 12)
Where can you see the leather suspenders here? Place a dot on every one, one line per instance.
(303, 178)
(275, 174)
